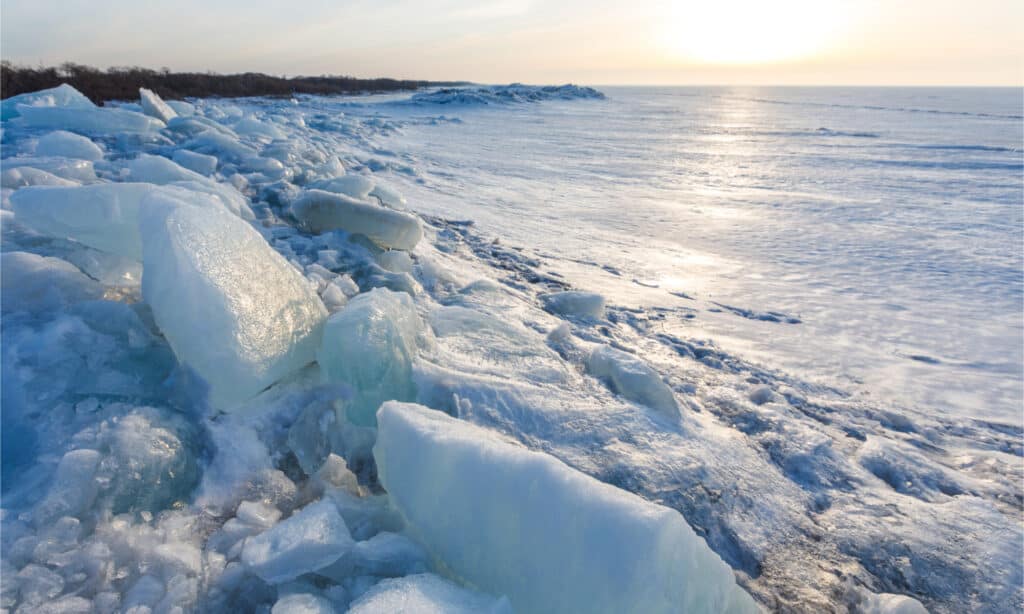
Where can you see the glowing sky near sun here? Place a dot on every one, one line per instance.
(897, 42)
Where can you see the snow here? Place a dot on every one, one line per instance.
(154, 106)
(60, 143)
(321, 211)
(370, 346)
(231, 307)
(546, 536)
(426, 594)
(311, 539)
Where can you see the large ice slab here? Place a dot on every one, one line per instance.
(632, 378)
(61, 96)
(100, 121)
(520, 523)
(310, 539)
(68, 145)
(103, 216)
(426, 594)
(230, 306)
(573, 303)
(321, 211)
(370, 345)
(154, 106)
(158, 169)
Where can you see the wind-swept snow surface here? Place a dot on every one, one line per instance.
(643, 336)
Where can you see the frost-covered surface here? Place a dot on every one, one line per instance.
(205, 264)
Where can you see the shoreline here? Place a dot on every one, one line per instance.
(119, 83)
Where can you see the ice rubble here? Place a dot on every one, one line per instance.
(111, 434)
(320, 211)
(522, 524)
(309, 540)
(231, 307)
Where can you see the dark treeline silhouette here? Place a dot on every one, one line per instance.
(123, 83)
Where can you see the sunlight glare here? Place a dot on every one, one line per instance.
(750, 31)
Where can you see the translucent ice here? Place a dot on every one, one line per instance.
(632, 378)
(370, 345)
(522, 524)
(356, 186)
(321, 211)
(302, 603)
(24, 176)
(196, 162)
(182, 108)
(158, 169)
(67, 168)
(100, 121)
(230, 306)
(575, 304)
(103, 216)
(154, 106)
(39, 283)
(68, 145)
(426, 594)
(310, 539)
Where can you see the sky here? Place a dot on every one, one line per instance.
(598, 42)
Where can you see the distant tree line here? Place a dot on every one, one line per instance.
(123, 83)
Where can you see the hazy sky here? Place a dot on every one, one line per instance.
(913, 42)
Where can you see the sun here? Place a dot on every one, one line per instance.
(750, 31)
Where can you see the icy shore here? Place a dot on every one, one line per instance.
(209, 310)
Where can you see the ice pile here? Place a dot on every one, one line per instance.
(216, 317)
(505, 94)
